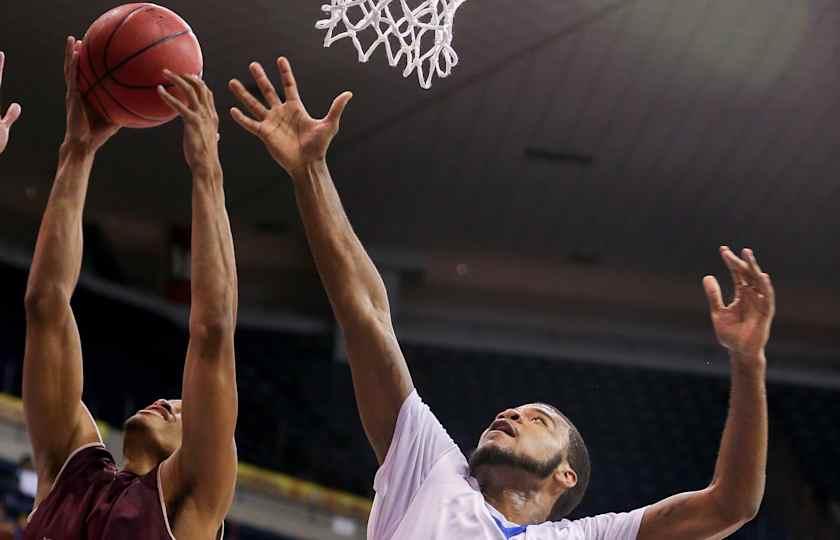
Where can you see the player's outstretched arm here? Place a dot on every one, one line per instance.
(203, 470)
(57, 421)
(734, 495)
(299, 144)
(12, 113)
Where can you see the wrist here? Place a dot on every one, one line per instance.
(208, 165)
(308, 170)
(755, 360)
(76, 149)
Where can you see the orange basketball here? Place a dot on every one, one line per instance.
(122, 59)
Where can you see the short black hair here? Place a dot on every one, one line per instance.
(578, 457)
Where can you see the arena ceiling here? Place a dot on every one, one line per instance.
(689, 124)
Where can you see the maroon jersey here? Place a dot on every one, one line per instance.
(92, 499)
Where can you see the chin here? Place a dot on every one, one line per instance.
(138, 422)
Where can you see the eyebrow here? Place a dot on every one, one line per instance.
(541, 412)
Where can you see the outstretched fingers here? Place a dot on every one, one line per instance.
(246, 98)
(187, 89)
(337, 108)
(264, 84)
(737, 267)
(713, 294)
(761, 280)
(11, 115)
(176, 104)
(248, 124)
(287, 76)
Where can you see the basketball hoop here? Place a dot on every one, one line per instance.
(401, 29)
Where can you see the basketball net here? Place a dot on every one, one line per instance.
(400, 29)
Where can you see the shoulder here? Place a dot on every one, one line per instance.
(612, 526)
(88, 458)
(87, 465)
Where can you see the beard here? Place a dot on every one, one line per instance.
(490, 455)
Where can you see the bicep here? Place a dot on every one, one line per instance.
(207, 461)
(381, 379)
(687, 516)
(56, 419)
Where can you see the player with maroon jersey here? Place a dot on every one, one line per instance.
(180, 457)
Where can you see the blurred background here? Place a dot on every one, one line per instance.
(542, 218)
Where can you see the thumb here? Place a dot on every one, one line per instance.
(712, 288)
(338, 106)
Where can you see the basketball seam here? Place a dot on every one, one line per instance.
(136, 54)
(115, 100)
(100, 79)
(104, 60)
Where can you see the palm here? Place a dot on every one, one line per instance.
(292, 137)
(740, 327)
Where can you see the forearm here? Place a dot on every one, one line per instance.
(350, 278)
(213, 266)
(58, 250)
(739, 479)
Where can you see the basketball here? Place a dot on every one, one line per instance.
(122, 59)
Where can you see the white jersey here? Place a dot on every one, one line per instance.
(424, 491)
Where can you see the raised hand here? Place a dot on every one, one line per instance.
(84, 130)
(201, 121)
(743, 325)
(293, 138)
(12, 114)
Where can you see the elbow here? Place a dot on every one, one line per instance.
(48, 301)
(365, 319)
(210, 334)
(738, 510)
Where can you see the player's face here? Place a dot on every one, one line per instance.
(160, 426)
(532, 431)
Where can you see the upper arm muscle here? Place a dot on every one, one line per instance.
(56, 418)
(381, 379)
(687, 516)
(205, 466)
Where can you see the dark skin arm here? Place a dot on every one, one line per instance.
(57, 420)
(299, 143)
(734, 495)
(201, 476)
(12, 114)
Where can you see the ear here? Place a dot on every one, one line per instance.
(565, 476)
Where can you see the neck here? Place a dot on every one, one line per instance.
(516, 495)
(139, 463)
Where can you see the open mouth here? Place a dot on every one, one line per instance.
(158, 409)
(504, 426)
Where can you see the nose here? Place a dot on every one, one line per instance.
(509, 414)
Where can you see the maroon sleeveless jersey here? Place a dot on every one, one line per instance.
(93, 500)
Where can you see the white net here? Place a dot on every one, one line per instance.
(421, 35)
